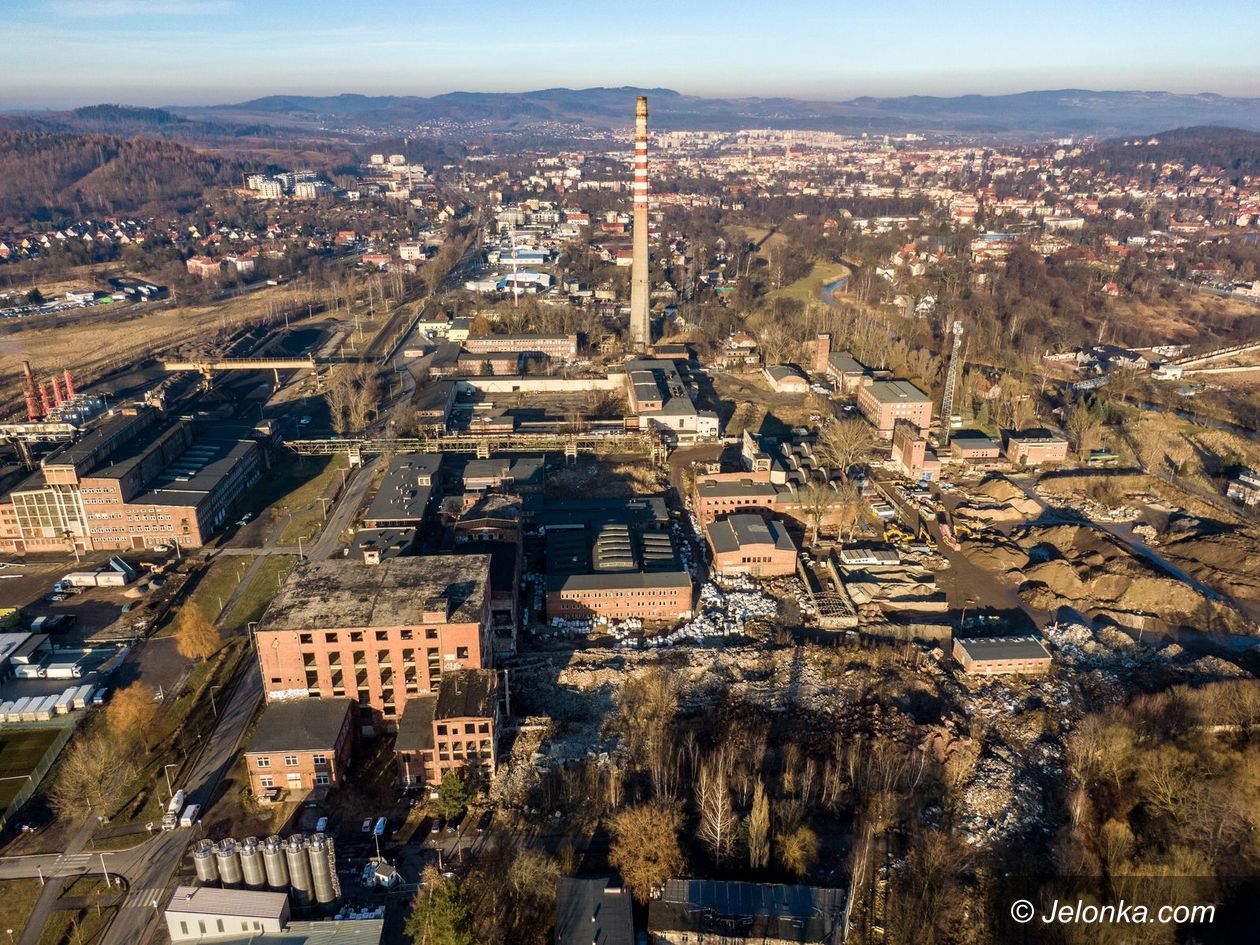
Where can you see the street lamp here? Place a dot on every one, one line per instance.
(166, 770)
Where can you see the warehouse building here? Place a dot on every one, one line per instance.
(992, 656)
(137, 480)
(750, 544)
(613, 558)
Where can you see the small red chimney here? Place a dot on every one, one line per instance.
(69, 378)
(56, 386)
(45, 399)
(32, 410)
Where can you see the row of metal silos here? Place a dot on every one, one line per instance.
(304, 867)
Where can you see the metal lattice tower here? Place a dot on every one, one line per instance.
(951, 381)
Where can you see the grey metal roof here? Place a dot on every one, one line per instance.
(1004, 648)
(844, 363)
(249, 904)
(752, 911)
(618, 580)
(300, 725)
(745, 529)
(592, 910)
(415, 728)
(404, 493)
(897, 392)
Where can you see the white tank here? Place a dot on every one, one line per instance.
(204, 862)
(229, 863)
(274, 863)
(252, 869)
(323, 870)
(295, 855)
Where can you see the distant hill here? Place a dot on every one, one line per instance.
(1233, 149)
(134, 120)
(1062, 112)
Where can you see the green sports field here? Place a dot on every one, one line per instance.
(20, 754)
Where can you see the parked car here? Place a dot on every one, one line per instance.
(438, 824)
(321, 825)
(483, 822)
(379, 829)
(367, 825)
(452, 825)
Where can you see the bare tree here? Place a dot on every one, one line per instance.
(818, 501)
(1083, 428)
(845, 443)
(90, 774)
(759, 829)
(718, 820)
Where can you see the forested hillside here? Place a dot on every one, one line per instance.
(51, 176)
(1232, 149)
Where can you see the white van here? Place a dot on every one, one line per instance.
(190, 815)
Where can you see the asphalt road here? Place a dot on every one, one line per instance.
(157, 860)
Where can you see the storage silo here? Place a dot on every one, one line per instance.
(204, 862)
(252, 869)
(229, 863)
(323, 874)
(299, 862)
(274, 863)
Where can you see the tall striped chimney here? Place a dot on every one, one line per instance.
(640, 332)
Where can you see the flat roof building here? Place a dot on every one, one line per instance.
(375, 633)
(404, 495)
(136, 480)
(883, 403)
(1034, 447)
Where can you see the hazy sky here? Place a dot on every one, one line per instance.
(161, 52)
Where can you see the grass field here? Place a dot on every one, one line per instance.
(17, 901)
(807, 288)
(255, 598)
(95, 343)
(303, 502)
(20, 754)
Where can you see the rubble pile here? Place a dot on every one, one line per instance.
(722, 612)
(1002, 798)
